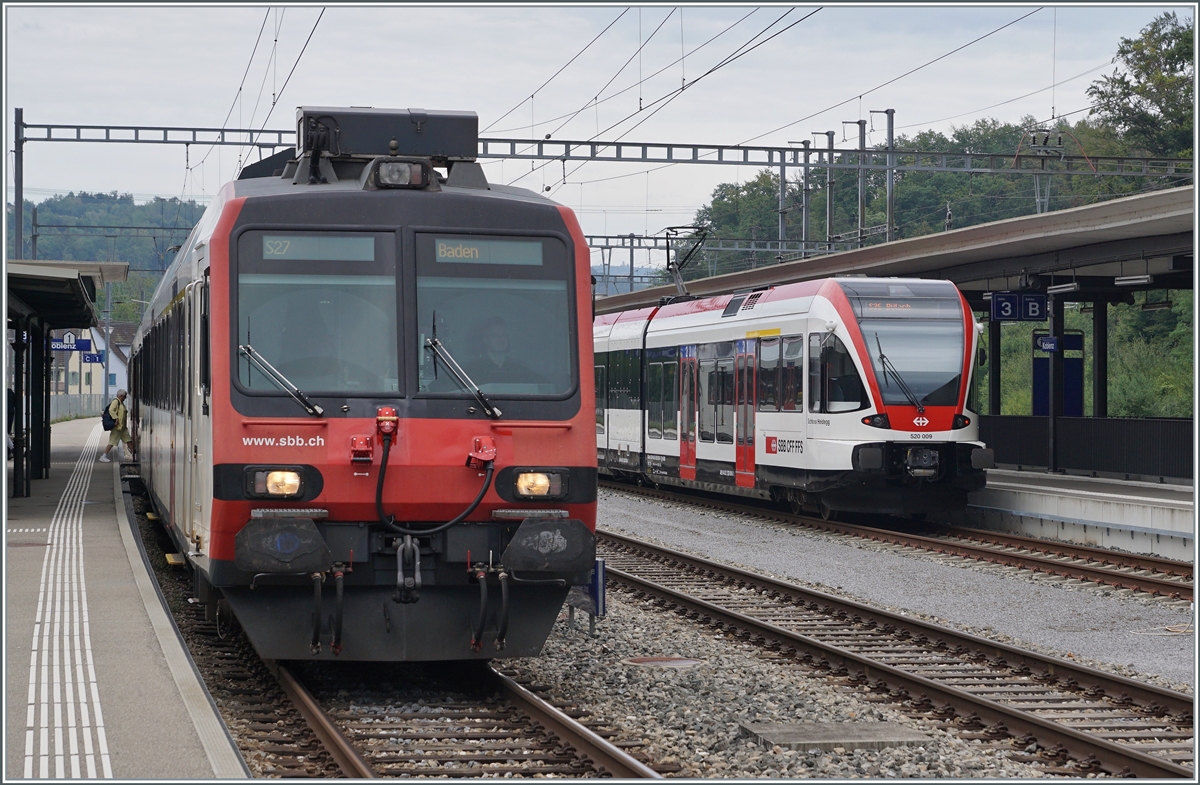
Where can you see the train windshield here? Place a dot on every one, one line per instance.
(922, 338)
(502, 307)
(321, 308)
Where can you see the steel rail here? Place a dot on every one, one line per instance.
(1106, 575)
(1135, 560)
(1047, 564)
(339, 747)
(1140, 691)
(1078, 744)
(603, 753)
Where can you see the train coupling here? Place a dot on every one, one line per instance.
(922, 462)
(408, 583)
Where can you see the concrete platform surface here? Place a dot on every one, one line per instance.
(1143, 517)
(95, 685)
(828, 736)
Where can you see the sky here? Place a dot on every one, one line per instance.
(570, 71)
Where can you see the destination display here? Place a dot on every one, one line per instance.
(487, 251)
(309, 247)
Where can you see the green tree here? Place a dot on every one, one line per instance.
(1151, 100)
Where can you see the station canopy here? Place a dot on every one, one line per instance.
(1149, 235)
(60, 293)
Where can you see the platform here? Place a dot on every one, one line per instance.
(1142, 517)
(98, 684)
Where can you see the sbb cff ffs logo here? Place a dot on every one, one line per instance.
(775, 446)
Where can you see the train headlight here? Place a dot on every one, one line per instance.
(532, 485)
(396, 173)
(277, 482)
(877, 421)
(960, 421)
(283, 483)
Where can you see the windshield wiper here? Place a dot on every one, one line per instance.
(439, 350)
(889, 368)
(274, 375)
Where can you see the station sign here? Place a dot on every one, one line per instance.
(97, 357)
(1046, 343)
(1033, 307)
(70, 343)
(1006, 307)
(1017, 307)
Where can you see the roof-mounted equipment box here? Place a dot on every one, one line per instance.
(336, 131)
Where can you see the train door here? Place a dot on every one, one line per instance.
(188, 481)
(175, 345)
(687, 412)
(744, 383)
(601, 409)
(202, 422)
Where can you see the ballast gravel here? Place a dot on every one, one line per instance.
(691, 717)
(1100, 627)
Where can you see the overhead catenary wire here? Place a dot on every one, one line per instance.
(741, 51)
(275, 101)
(637, 54)
(846, 101)
(1009, 101)
(559, 71)
(271, 68)
(895, 79)
(242, 84)
(640, 81)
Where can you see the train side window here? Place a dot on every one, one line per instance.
(181, 363)
(725, 402)
(670, 407)
(833, 378)
(791, 396)
(814, 372)
(846, 392)
(710, 385)
(768, 374)
(601, 397)
(654, 399)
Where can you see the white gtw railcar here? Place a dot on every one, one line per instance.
(844, 394)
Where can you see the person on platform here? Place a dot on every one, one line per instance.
(120, 431)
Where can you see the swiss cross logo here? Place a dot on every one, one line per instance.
(921, 421)
(772, 445)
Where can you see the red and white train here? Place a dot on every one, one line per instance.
(358, 401)
(845, 394)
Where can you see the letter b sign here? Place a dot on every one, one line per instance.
(1033, 307)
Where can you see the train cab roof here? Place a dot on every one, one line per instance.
(367, 149)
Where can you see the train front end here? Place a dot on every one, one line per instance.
(915, 424)
(402, 467)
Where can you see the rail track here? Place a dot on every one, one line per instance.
(447, 720)
(367, 720)
(1162, 577)
(1073, 719)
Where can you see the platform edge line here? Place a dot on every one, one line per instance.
(223, 755)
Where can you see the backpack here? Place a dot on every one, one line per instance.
(107, 420)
